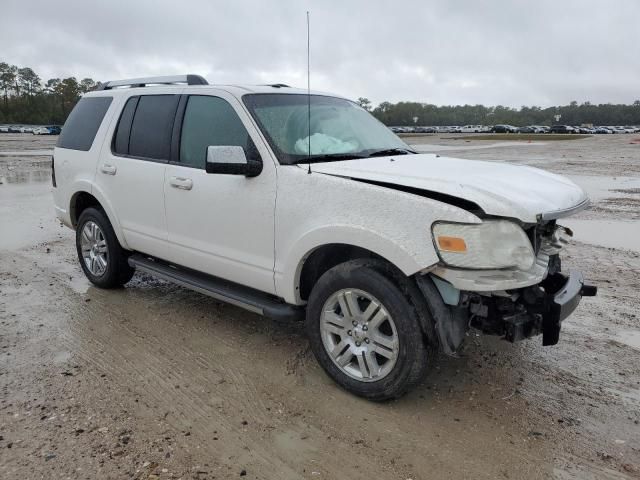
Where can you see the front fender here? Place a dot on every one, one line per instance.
(316, 210)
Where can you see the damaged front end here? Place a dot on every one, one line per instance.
(510, 303)
(530, 311)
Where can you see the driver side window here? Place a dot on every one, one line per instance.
(210, 121)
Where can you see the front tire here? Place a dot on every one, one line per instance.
(365, 332)
(102, 259)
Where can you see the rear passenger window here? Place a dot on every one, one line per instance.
(210, 121)
(152, 125)
(80, 129)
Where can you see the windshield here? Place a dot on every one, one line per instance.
(340, 129)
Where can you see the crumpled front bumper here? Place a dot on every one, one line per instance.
(530, 311)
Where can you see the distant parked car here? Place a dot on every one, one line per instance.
(531, 129)
(504, 129)
(425, 130)
(451, 129)
(562, 129)
(47, 130)
(4, 129)
(471, 129)
(586, 130)
(603, 130)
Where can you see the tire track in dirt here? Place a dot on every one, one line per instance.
(117, 336)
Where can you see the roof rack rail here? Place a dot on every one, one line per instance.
(143, 82)
(276, 85)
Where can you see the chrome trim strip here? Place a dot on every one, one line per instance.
(565, 212)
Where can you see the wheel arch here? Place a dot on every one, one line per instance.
(313, 255)
(322, 259)
(83, 199)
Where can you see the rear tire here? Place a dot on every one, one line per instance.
(103, 260)
(365, 332)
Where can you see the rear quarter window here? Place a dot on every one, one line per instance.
(80, 129)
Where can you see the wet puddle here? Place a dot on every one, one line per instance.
(599, 188)
(27, 153)
(606, 233)
(26, 215)
(629, 337)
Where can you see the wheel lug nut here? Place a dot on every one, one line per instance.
(357, 344)
(354, 323)
(365, 328)
(366, 340)
(349, 333)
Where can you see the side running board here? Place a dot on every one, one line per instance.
(223, 290)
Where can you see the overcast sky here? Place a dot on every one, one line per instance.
(533, 52)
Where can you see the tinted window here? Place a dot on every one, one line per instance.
(81, 127)
(121, 141)
(210, 121)
(151, 128)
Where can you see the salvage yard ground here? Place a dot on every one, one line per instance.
(155, 381)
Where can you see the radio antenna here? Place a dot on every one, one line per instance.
(308, 93)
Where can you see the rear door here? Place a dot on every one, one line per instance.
(220, 224)
(131, 173)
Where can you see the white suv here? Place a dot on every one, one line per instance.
(296, 205)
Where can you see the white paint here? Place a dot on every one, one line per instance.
(500, 189)
(258, 231)
(316, 209)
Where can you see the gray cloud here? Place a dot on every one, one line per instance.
(444, 52)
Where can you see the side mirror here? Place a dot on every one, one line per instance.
(231, 160)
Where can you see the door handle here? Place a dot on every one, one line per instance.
(181, 183)
(108, 169)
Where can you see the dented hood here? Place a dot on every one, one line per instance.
(526, 193)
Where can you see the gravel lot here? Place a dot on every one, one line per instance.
(155, 381)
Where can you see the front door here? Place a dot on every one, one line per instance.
(220, 224)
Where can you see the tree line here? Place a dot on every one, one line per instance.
(414, 113)
(26, 98)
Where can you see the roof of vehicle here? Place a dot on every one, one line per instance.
(193, 83)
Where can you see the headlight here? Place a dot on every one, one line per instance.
(487, 245)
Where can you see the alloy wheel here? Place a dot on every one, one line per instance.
(359, 335)
(94, 248)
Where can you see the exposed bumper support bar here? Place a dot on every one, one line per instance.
(562, 303)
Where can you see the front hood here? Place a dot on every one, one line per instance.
(500, 189)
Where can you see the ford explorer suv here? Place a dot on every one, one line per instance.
(301, 205)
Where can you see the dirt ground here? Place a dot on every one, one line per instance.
(155, 381)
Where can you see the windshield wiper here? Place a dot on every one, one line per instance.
(329, 157)
(390, 151)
